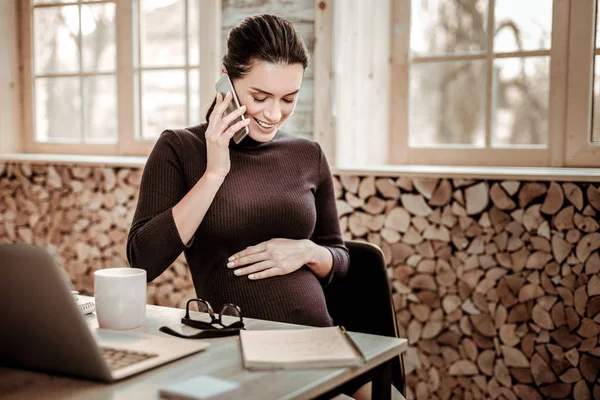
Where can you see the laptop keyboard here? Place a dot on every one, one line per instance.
(119, 358)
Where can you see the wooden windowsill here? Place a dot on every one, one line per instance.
(478, 172)
(416, 171)
(72, 159)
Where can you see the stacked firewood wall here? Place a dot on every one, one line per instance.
(83, 214)
(496, 284)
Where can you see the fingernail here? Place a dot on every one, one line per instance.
(228, 94)
(243, 107)
(231, 258)
(229, 264)
(237, 272)
(251, 276)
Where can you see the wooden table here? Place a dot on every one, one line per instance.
(221, 360)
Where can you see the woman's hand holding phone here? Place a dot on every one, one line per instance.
(189, 212)
(219, 133)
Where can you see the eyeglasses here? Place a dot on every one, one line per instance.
(229, 312)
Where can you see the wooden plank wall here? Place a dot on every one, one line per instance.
(324, 130)
(10, 117)
(362, 49)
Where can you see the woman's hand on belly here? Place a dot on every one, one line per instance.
(272, 258)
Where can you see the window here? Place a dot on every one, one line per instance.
(471, 82)
(483, 81)
(166, 62)
(107, 76)
(74, 58)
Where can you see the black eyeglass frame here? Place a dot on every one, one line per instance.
(187, 320)
(208, 330)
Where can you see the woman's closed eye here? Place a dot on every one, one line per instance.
(257, 100)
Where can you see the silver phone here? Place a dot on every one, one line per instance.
(223, 86)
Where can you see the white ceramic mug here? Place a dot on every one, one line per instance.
(120, 296)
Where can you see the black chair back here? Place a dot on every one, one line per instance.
(362, 300)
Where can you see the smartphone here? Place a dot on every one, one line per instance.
(223, 86)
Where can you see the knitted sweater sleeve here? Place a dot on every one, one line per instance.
(327, 230)
(153, 242)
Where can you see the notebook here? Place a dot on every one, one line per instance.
(86, 307)
(299, 348)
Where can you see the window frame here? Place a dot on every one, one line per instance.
(400, 151)
(579, 149)
(127, 95)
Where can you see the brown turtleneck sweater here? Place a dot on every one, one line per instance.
(279, 189)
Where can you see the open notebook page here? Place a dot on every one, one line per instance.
(303, 346)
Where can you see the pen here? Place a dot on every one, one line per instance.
(352, 343)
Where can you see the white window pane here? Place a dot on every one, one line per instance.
(162, 33)
(100, 114)
(98, 37)
(57, 109)
(522, 25)
(521, 97)
(596, 115)
(163, 101)
(447, 103)
(447, 26)
(194, 93)
(194, 31)
(56, 32)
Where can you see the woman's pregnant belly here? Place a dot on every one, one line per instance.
(296, 298)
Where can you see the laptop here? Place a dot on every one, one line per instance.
(41, 327)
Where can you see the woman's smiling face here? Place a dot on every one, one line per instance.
(269, 92)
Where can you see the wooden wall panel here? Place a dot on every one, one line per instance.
(10, 93)
(362, 78)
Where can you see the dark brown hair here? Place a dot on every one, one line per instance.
(265, 38)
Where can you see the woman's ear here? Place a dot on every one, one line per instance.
(223, 70)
